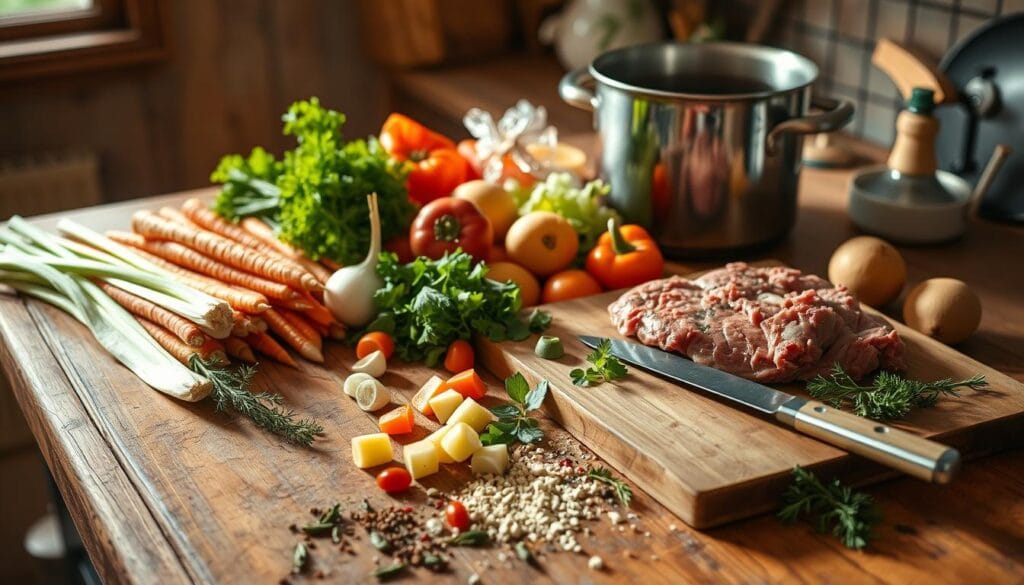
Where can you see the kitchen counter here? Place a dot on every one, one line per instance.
(168, 492)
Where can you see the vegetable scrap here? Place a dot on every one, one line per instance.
(606, 367)
(513, 424)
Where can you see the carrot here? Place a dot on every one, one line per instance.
(317, 311)
(172, 214)
(175, 346)
(242, 323)
(283, 329)
(266, 345)
(223, 250)
(321, 330)
(330, 264)
(212, 350)
(185, 330)
(296, 303)
(375, 341)
(397, 422)
(238, 348)
(336, 330)
(188, 258)
(243, 300)
(467, 383)
(258, 324)
(256, 229)
(459, 356)
(302, 326)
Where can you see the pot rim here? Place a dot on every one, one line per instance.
(723, 47)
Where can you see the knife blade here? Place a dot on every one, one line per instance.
(914, 455)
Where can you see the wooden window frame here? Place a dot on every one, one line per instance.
(111, 33)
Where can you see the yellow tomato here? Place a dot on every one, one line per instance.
(497, 204)
(529, 288)
(543, 242)
(569, 284)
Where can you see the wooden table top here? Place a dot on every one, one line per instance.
(173, 500)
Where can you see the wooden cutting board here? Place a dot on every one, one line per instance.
(710, 461)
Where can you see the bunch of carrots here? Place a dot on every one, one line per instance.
(274, 291)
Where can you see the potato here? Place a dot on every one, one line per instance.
(943, 308)
(871, 268)
(529, 288)
(543, 242)
(497, 204)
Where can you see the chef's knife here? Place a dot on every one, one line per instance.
(890, 446)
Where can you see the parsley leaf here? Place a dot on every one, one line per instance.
(513, 423)
(606, 367)
(539, 321)
(427, 304)
(315, 196)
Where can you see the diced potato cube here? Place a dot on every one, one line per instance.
(435, 438)
(444, 404)
(420, 458)
(474, 415)
(371, 450)
(460, 442)
(490, 459)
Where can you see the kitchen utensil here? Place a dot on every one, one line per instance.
(701, 142)
(986, 73)
(881, 443)
(709, 461)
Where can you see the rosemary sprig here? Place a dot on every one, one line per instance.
(851, 514)
(622, 489)
(890, 396)
(231, 391)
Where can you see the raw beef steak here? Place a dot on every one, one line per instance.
(767, 324)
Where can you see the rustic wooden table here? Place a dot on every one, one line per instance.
(167, 492)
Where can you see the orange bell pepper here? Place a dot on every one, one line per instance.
(398, 421)
(625, 256)
(436, 167)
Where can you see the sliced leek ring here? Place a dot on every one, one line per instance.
(371, 395)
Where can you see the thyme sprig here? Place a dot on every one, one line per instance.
(850, 514)
(231, 391)
(622, 489)
(890, 396)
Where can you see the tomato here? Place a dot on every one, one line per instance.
(446, 224)
(569, 284)
(397, 422)
(459, 356)
(374, 341)
(543, 242)
(394, 480)
(436, 167)
(457, 516)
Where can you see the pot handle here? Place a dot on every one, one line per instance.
(836, 114)
(573, 92)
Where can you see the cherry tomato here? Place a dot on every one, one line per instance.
(394, 479)
(459, 356)
(375, 341)
(569, 284)
(457, 515)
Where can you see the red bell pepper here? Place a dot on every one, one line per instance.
(445, 224)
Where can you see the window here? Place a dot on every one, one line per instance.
(46, 37)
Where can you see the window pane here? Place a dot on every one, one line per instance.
(31, 7)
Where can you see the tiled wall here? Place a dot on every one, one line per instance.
(839, 35)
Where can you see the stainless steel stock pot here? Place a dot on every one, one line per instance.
(701, 142)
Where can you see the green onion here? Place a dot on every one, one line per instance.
(549, 347)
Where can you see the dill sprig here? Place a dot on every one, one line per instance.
(622, 489)
(231, 391)
(850, 514)
(890, 396)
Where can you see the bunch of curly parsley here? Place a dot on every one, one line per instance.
(315, 196)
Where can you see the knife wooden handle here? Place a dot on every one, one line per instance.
(906, 452)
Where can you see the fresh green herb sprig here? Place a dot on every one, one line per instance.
(470, 538)
(606, 367)
(427, 304)
(231, 390)
(850, 514)
(315, 195)
(890, 396)
(389, 572)
(622, 490)
(513, 423)
(300, 555)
